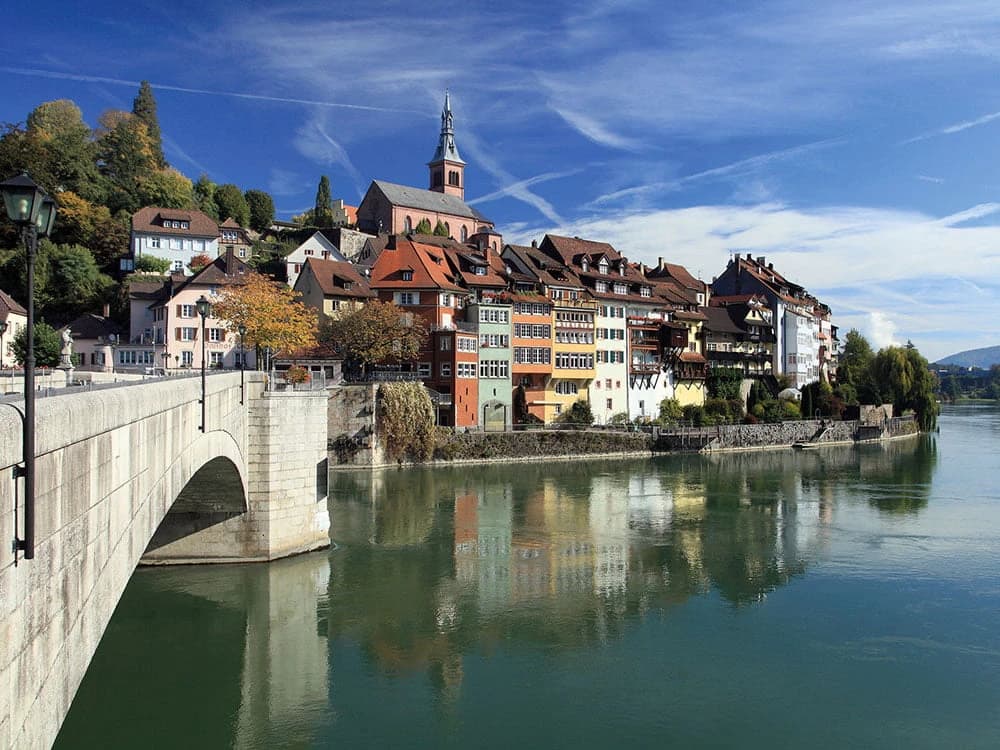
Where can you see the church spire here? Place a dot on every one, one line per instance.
(447, 168)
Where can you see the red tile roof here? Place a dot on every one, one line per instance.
(431, 269)
(150, 219)
(571, 249)
(9, 305)
(332, 275)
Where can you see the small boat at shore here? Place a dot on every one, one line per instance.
(800, 446)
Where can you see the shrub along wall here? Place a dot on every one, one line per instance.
(479, 446)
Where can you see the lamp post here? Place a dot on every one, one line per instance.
(3, 330)
(204, 310)
(30, 208)
(112, 342)
(243, 360)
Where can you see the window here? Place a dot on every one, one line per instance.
(464, 233)
(407, 275)
(188, 334)
(493, 315)
(574, 361)
(185, 225)
(446, 369)
(453, 177)
(445, 343)
(215, 334)
(602, 266)
(406, 298)
(178, 265)
(466, 344)
(424, 369)
(532, 355)
(135, 357)
(646, 291)
(466, 369)
(215, 359)
(154, 241)
(532, 331)
(479, 270)
(408, 224)
(566, 388)
(494, 368)
(187, 311)
(600, 286)
(187, 358)
(310, 251)
(608, 404)
(525, 381)
(243, 252)
(501, 340)
(621, 289)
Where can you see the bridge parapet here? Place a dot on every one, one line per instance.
(118, 469)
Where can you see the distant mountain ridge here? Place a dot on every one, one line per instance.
(983, 358)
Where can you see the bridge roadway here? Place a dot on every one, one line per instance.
(127, 474)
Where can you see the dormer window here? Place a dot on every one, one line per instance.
(480, 270)
(348, 285)
(407, 275)
(584, 265)
(603, 266)
(621, 289)
(646, 291)
(185, 225)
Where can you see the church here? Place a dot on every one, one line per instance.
(388, 208)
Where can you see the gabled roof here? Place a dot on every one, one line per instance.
(464, 261)
(150, 219)
(677, 273)
(429, 265)
(91, 326)
(9, 305)
(719, 321)
(224, 270)
(427, 200)
(571, 249)
(334, 276)
(545, 269)
(319, 241)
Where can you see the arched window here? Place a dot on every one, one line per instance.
(453, 177)
(438, 177)
(465, 233)
(408, 224)
(447, 228)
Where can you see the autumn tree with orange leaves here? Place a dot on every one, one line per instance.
(378, 333)
(274, 318)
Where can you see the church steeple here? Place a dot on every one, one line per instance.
(447, 170)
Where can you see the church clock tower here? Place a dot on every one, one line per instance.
(447, 168)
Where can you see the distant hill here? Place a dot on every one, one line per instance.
(983, 358)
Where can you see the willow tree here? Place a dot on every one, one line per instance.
(274, 318)
(905, 378)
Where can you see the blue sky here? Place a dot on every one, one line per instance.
(852, 143)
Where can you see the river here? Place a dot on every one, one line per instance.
(838, 598)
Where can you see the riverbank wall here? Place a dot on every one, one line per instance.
(354, 442)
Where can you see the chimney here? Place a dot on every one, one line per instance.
(106, 310)
(749, 256)
(659, 264)
(760, 260)
(534, 243)
(770, 266)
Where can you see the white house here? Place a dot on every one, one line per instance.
(174, 234)
(318, 246)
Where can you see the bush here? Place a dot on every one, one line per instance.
(694, 414)
(579, 414)
(670, 411)
(621, 418)
(297, 374)
(406, 421)
(724, 383)
(790, 410)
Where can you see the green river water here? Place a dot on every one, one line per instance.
(847, 597)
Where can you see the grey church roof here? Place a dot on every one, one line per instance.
(428, 200)
(446, 149)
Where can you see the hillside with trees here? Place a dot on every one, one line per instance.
(99, 177)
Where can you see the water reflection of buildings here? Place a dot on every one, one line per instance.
(566, 556)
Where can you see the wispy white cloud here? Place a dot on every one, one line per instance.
(595, 131)
(957, 127)
(173, 149)
(314, 142)
(207, 92)
(860, 260)
(741, 167)
(929, 178)
(511, 189)
(286, 182)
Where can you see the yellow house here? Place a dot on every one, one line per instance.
(330, 286)
(573, 353)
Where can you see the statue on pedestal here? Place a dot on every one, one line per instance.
(66, 353)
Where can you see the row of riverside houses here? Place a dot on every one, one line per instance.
(513, 329)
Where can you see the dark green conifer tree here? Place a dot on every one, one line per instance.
(144, 107)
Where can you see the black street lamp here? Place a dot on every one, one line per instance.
(30, 208)
(243, 359)
(112, 342)
(204, 310)
(3, 330)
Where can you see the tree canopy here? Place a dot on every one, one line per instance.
(231, 204)
(378, 333)
(48, 345)
(323, 213)
(261, 206)
(271, 312)
(144, 107)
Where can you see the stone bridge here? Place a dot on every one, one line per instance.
(127, 474)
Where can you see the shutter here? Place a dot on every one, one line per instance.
(179, 313)
(222, 334)
(177, 334)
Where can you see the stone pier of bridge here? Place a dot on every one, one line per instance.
(128, 475)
